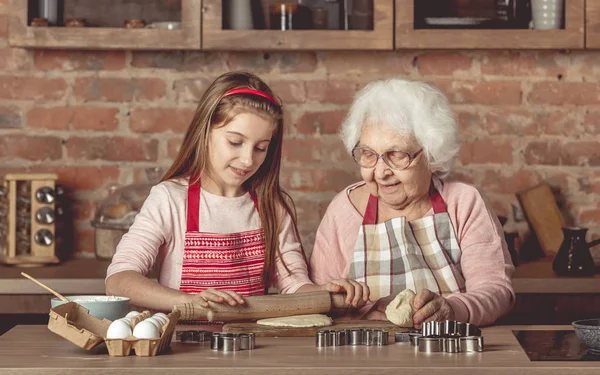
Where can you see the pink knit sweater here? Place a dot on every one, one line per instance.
(485, 261)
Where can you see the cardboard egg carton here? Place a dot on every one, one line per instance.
(74, 323)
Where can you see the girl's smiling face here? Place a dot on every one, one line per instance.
(235, 152)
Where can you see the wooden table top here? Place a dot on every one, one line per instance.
(34, 349)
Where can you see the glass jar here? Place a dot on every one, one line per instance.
(116, 213)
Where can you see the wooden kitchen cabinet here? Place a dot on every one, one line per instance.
(214, 37)
(571, 37)
(592, 24)
(98, 38)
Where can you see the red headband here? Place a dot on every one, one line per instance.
(252, 92)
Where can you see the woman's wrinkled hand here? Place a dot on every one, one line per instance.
(218, 296)
(357, 293)
(430, 306)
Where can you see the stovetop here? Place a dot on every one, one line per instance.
(554, 346)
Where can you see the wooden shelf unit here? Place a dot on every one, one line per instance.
(214, 37)
(592, 24)
(98, 38)
(572, 37)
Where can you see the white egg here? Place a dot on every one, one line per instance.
(118, 330)
(163, 315)
(146, 330)
(132, 314)
(162, 320)
(155, 321)
(126, 320)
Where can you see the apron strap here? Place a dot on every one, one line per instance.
(370, 216)
(193, 206)
(437, 203)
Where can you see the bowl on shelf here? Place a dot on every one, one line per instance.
(101, 307)
(588, 331)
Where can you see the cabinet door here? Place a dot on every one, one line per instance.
(21, 34)
(463, 34)
(592, 24)
(216, 37)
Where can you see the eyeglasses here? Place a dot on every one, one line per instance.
(399, 160)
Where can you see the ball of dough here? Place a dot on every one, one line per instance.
(400, 310)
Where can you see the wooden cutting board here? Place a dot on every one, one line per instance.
(266, 331)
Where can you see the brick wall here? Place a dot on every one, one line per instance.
(100, 118)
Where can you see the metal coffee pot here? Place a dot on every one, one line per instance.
(574, 257)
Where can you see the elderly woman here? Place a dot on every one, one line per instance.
(404, 226)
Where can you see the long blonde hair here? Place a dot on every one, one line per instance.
(215, 110)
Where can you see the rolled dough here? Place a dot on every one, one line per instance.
(400, 310)
(311, 320)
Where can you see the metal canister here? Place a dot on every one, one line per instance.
(402, 337)
(449, 328)
(414, 338)
(215, 341)
(246, 341)
(322, 338)
(431, 344)
(230, 343)
(333, 339)
(381, 337)
(342, 337)
(452, 345)
(471, 344)
(355, 337)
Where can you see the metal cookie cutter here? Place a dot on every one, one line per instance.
(370, 337)
(192, 336)
(232, 342)
(448, 336)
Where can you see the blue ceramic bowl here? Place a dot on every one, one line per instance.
(102, 307)
(588, 331)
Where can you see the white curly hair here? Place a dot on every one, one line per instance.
(412, 108)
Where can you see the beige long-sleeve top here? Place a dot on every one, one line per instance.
(158, 233)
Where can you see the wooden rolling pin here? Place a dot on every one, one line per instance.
(268, 306)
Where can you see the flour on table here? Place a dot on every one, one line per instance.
(311, 320)
(400, 310)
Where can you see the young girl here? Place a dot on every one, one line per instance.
(219, 224)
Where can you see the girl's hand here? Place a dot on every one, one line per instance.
(218, 296)
(357, 293)
(430, 306)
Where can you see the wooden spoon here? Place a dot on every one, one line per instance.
(60, 296)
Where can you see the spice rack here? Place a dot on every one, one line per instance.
(31, 218)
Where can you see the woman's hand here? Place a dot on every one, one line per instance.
(357, 293)
(218, 296)
(431, 307)
(377, 311)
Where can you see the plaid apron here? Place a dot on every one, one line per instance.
(397, 255)
(233, 261)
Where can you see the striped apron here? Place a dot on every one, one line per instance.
(396, 255)
(232, 261)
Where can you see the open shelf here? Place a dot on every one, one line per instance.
(592, 24)
(214, 37)
(571, 37)
(22, 35)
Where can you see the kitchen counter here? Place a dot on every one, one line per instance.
(538, 277)
(19, 295)
(35, 350)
